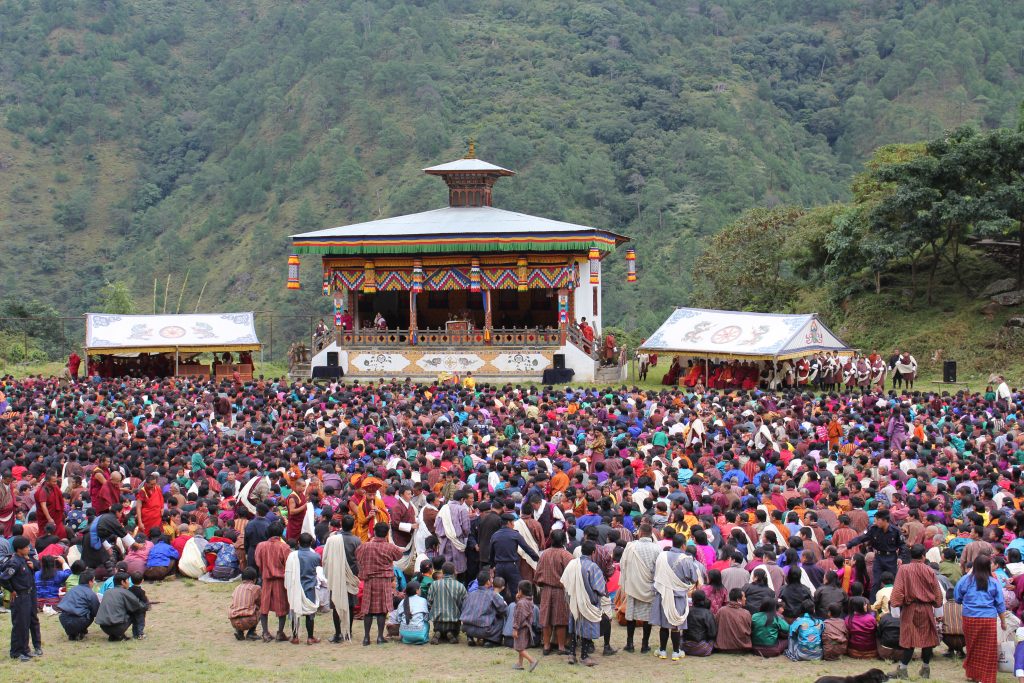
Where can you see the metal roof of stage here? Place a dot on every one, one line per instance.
(479, 228)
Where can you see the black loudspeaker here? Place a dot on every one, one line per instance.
(949, 371)
(332, 359)
(559, 361)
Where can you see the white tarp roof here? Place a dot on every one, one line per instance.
(757, 336)
(166, 333)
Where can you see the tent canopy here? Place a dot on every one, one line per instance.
(736, 334)
(189, 333)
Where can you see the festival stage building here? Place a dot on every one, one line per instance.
(464, 288)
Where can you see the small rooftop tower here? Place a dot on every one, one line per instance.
(469, 179)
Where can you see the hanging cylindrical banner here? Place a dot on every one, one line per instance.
(522, 284)
(417, 276)
(369, 278)
(630, 265)
(337, 311)
(595, 266)
(293, 272)
(474, 276)
(327, 283)
(563, 307)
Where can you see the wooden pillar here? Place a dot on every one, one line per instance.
(564, 294)
(412, 318)
(354, 303)
(488, 318)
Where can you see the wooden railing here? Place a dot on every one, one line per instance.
(575, 336)
(507, 337)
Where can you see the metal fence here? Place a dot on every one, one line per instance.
(34, 340)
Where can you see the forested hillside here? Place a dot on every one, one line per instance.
(151, 138)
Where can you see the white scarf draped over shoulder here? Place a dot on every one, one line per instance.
(298, 603)
(576, 592)
(445, 514)
(341, 581)
(637, 578)
(527, 535)
(666, 583)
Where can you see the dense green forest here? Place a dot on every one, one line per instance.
(169, 137)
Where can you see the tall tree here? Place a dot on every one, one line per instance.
(742, 268)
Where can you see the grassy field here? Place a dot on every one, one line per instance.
(189, 639)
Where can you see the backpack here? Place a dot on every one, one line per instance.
(8, 568)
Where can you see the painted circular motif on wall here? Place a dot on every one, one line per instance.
(172, 332)
(726, 334)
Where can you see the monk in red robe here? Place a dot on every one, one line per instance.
(696, 374)
(8, 504)
(74, 362)
(150, 504)
(99, 489)
(50, 504)
(297, 504)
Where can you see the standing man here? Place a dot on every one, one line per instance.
(149, 504)
(342, 575)
(74, 362)
(298, 506)
(887, 542)
(584, 587)
(50, 504)
(637, 582)
(554, 611)
(403, 521)
(24, 619)
(257, 530)
(271, 558)
(505, 546)
(376, 560)
(452, 528)
(8, 504)
(300, 582)
(916, 592)
(99, 486)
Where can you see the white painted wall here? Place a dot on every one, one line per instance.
(581, 363)
(321, 358)
(584, 298)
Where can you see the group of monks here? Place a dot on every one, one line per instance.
(823, 371)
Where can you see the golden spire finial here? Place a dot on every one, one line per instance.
(471, 154)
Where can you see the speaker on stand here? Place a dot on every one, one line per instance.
(949, 371)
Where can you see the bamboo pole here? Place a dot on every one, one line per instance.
(200, 296)
(166, 287)
(182, 294)
(154, 296)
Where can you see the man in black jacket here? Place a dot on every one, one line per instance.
(256, 531)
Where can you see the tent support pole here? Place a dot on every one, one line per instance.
(175, 361)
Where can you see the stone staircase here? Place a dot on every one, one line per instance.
(608, 376)
(298, 371)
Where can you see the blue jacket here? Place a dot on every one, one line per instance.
(977, 603)
(81, 602)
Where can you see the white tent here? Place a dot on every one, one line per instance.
(707, 333)
(188, 333)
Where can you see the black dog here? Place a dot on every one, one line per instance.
(872, 676)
